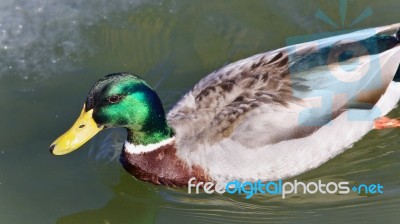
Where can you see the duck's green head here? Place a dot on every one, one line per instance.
(118, 100)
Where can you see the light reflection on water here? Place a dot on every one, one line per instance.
(172, 44)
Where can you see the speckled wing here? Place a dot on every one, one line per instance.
(290, 92)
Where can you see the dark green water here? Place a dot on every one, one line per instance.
(51, 52)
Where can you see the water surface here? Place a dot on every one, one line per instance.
(51, 52)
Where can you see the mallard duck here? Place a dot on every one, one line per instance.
(267, 117)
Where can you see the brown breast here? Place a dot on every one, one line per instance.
(161, 166)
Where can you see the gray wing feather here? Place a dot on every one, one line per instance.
(262, 96)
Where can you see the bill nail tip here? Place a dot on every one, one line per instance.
(51, 148)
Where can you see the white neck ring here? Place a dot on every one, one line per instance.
(138, 149)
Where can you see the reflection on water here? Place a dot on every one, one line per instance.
(47, 46)
(132, 202)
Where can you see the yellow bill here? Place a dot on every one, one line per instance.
(81, 132)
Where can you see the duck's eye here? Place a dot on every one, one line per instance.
(114, 99)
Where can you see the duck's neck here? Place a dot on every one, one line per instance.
(149, 125)
(150, 152)
(150, 136)
(155, 128)
(150, 139)
(147, 140)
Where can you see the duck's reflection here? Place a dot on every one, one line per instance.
(133, 202)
